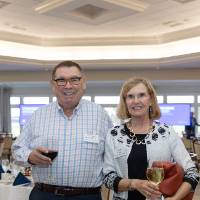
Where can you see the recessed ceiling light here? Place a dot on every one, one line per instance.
(183, 1)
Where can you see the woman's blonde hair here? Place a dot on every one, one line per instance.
(122, 110)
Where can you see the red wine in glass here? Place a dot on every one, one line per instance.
(51, 154)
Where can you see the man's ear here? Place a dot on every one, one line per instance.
(84, 82)
(52, 86)
(84, 86)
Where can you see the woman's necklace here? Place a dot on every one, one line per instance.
(134, 137)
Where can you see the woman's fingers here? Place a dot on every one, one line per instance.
(151, 190)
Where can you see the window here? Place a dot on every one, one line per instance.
(15, 127)
(15, 112)
(89, 98)
(180, 99)
(112, 113)
(14, 100)
(36, 100)
(106, 99)
(160, 99)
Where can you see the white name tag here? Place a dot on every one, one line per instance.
(91, 138)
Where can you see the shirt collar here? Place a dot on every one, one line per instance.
(76, 109)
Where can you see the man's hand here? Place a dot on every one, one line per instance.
(36, 157)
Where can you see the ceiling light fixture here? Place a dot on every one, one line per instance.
(183, 1)
(50, 4)
(182, 47)
(135, 5)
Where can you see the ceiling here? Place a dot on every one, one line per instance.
(100, 34)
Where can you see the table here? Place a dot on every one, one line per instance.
(9, 192)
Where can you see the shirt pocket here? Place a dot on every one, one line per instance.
(93, 148)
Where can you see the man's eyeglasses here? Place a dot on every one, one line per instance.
(72, 81)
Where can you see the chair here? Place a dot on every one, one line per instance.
(197, 151)
(188, 144)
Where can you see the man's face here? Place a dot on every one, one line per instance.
(68, 85)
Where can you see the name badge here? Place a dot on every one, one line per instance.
(120, 152)
(91, 138)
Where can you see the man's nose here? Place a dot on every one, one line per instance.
(68, 84)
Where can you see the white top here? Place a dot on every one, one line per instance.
(162, 143)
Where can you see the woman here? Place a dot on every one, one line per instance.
(131, 146)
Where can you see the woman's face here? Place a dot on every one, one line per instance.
(138, 101)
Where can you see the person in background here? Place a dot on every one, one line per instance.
(76, 129)
(190, 130)
(133, 145)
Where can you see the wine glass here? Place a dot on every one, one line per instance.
(7, 176)
(5, 165)
(15, 168)
(155, 174)
(51, 145)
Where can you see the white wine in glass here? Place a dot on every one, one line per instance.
(155, 174)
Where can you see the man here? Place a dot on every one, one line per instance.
(76, 129)
(190, 129)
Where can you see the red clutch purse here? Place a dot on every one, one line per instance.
(173, 179)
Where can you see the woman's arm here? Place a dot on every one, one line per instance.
(145, 187)
(195, 122)
(182, 157)
(184, 189)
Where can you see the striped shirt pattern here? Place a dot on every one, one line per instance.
(80, 160)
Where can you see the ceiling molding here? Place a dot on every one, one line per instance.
(51, 5)
(3, 4)
(182, 62)
(89, 11)
(102, 41)
(183, 1)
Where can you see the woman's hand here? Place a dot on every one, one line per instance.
(147, 188)
(170, 198)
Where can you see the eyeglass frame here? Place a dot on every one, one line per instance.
(70, 81)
